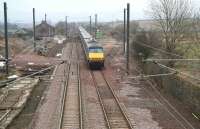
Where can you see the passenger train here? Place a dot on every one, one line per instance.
(93, 50)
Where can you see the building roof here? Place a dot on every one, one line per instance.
(44, 30)
(44, 24)
(84, 33)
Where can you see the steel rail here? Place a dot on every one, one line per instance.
(10, 108)
(118, 103)
(80, 98)
(128, 122)
(66, 82)
(33, 74)
(6, 83)
(165, 102)
(5, 114)
(65, 95)
(79, 91)
(95, 84)
(101, 102)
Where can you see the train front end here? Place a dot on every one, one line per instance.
(96, 56)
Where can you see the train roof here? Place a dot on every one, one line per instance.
(89, 41)
(84, 33)
(92, 41)
(95, 45)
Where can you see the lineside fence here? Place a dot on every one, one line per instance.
(174, 79)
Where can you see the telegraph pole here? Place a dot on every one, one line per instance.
(6, 36)
(45, 17)
(90, 25)
(34, 30)
(66, 27)
(96, 20)
(124, 45)
(128, 30)
(95, 25)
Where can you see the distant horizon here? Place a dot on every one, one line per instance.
(71, 21)
(38, 22)
(76, 10)
(20, 11)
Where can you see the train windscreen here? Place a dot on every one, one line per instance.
(96, 50)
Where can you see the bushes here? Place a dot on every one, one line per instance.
(141, 38)
(118, 31)
(150, 38)
(144, 39)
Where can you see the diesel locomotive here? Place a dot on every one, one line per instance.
(93, 50)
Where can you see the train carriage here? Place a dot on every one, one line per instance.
(93, 50)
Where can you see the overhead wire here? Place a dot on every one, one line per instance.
(160, 50)
(174, 70)
(164, 66)
(155, 75)
(151, 60)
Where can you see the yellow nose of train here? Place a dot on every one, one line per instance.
(96, 56)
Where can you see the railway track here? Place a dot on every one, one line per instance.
(114, 114)
(173, 112)
(92, 113)
(8, 107)
(12, 99)
(71, 112)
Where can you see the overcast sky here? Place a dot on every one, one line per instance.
(77, 10)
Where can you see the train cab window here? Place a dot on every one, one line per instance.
(96, 50)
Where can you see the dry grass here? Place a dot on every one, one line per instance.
(16, 45)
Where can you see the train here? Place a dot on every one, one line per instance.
(94, 51)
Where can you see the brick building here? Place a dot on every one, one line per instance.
(44, 30)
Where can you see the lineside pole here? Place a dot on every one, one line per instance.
(90, 25)
(95, 25)
(128, 30)
(34, 30)
(66, 27)
(6, 36)
(124, 45)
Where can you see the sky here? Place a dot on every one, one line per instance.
(20, 11)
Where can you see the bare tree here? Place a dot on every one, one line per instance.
(196, 25)
(172, 17)
(60, 28)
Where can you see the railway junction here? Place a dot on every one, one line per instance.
(77, 97)
(81, 81)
